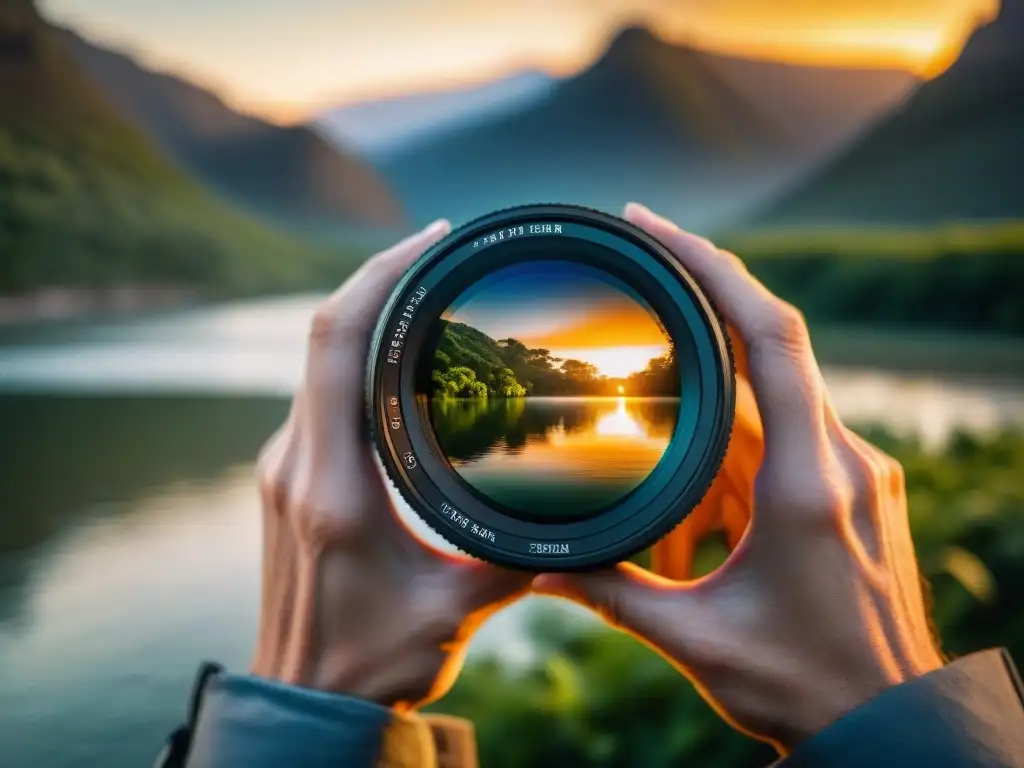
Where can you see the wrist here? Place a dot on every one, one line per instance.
(353, 671)
(835, 695)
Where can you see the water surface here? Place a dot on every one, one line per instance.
(551, 457)
(129, 526)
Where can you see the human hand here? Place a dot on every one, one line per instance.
(352, 601)
(819, 607)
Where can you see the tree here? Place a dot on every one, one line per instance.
(458, 382)
(505, 384)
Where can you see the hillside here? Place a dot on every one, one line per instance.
(289, 175)
(696, 134)
(947, 154)
(85, 199)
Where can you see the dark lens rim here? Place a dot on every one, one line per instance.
(439, 495)
(605, 261)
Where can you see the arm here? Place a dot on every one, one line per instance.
(244, 720)
(969, 714)
(361, 623)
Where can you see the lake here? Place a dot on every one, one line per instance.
(129, 549)
(550, 457)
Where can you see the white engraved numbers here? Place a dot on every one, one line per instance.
(523, 229)
(402, 326)
(464, 522)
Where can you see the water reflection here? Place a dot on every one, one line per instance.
(129, 551)
(256, 348)
(549, 456)
(129, 526)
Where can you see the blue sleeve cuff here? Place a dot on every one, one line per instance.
(248, 721)
(970, 714)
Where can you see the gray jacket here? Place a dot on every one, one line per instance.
(969, 714)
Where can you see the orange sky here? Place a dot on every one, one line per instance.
(608, 324)
(287, 58)
(618, 338)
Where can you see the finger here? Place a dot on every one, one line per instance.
(783, 372)
(627, 597)
(340, 338)
(484, 589)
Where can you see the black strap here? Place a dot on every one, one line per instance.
(179, 743)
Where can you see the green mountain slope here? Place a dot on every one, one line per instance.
(86, 200)
(287, 175)
(950, 153)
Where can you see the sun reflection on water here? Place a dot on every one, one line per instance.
(619, 423)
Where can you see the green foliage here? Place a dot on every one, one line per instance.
(507, 368)
(600, 698)
(70, 221)
(459, 381)
(87, 201)
(957, 277)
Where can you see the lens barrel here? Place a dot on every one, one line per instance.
(550, 390)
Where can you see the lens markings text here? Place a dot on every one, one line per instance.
(402, 327)
(548, 549)
(464, 522)
(510, 232)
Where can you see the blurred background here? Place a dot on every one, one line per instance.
(181, 182)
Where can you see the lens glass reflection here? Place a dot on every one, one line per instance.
(552, 389)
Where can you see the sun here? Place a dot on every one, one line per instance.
(622, 390)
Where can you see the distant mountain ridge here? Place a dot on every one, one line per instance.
(288, 175)
(378, 127)
(951, 152)
(695, 133)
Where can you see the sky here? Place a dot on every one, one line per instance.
(567, 308)
(287, 59)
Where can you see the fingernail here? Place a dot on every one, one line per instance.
(638, 211)
(439, 227)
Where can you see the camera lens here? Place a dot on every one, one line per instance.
(549, 390)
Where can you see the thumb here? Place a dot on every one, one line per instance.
(627, 597)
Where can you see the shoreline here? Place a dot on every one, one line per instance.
(60, 303)
(958, 354)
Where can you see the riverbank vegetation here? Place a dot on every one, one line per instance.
(960, 277)
(600, 698)
(468, 363)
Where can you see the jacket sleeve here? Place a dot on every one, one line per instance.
(247, 721)
(969, 714)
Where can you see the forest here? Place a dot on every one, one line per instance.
(468, 363)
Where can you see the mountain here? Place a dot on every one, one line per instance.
(377, 128)
(86, 199)
(952, 152)
(289, 175)
(693, 133)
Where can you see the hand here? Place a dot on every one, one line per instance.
(819, 607)
(352, 601)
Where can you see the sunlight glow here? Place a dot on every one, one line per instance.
(288, 61)
(622, 390)
(619, 423)
(614, 362)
